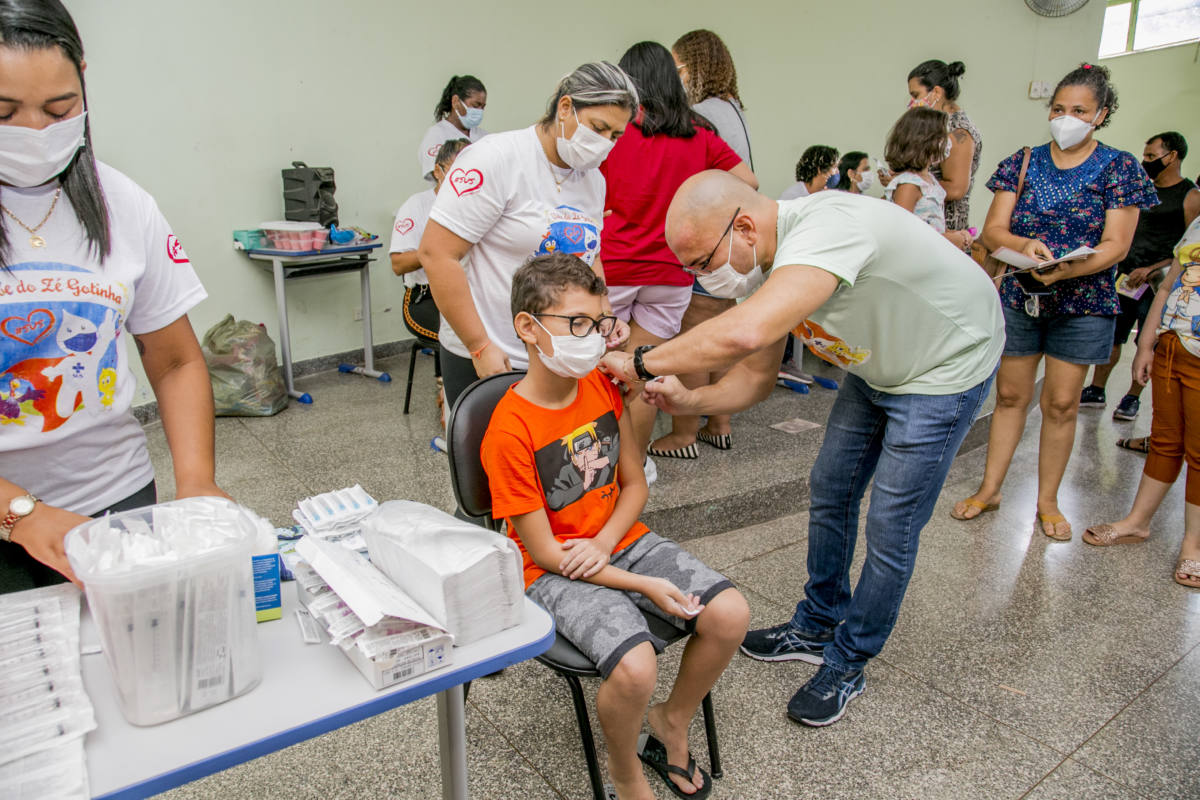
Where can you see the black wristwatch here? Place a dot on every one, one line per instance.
(640, 368)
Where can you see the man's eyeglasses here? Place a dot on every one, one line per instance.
(702, 267)
(582, 325)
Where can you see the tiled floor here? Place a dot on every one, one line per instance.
(1019, 667)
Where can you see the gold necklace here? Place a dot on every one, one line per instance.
(34, 239)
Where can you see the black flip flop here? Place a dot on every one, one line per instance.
(653, 754)
(1128, 444)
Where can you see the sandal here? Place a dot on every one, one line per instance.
(971, 502)
(654, 755)
(1107, 535)
(1138, 444)
(721, 441)
(1053, 520)
(689, 452)
(1189, 567)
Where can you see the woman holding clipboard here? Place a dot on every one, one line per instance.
(1075, 192)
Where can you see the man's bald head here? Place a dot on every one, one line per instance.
(702, 208)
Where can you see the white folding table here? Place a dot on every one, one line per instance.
(306, 690)
(289, 265)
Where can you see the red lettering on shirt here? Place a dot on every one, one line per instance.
(465, 181)
(175, 250)
(403, 226)
(31, 329)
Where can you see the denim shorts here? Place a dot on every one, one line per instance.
(1074, 338)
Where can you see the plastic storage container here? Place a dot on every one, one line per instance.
(298, 236)
(178, 628)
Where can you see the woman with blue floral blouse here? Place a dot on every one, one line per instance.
(1077, 192)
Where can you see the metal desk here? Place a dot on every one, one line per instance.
(290, 265)
(125, 761)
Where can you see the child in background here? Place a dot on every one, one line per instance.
(1169, 354)
(918, 141)
(571, 496)
(420, 312)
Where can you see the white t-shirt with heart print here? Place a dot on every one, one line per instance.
(407, 229)
(66, 432)
(438, 134)
(505, 197)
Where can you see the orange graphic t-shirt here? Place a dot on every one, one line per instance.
(563, 460)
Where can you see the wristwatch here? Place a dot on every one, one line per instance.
(640, 368)
(19, 507)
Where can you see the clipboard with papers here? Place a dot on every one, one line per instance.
(1023, 263)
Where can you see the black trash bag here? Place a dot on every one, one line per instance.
(246, 380)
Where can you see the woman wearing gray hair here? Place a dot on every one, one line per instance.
(514, 195)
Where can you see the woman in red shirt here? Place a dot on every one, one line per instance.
(665, 145)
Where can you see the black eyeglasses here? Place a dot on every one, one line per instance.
(582, 325)
(703, 266)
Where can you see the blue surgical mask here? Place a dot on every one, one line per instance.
(472, 118)
(833, 181)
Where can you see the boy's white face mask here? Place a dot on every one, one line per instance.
(574, 356)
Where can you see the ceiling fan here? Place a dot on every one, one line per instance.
(1055, 8)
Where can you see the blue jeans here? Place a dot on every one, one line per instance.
(907, 442)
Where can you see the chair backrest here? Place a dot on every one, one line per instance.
(464, 434)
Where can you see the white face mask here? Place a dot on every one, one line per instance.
(472, 118)
(726, 282)
(29, 157)
(586, 149)
(866, 181)
(574, 356)
(1069, 131)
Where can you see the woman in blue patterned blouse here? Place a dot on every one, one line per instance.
(1077, 191)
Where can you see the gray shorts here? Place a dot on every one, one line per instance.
(606, 623)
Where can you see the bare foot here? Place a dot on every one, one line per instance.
(975, 505)
(673, 735)
(630, 782)
(717, 427)
(1052, 523)
(672, 441)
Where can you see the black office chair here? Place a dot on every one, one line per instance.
(423, 339)
(468, 421)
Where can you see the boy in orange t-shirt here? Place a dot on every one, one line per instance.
(571, 497)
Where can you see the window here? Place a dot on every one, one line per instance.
(1133, 25)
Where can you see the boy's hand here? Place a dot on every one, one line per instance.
(1143, 364)
(667, 596)
(582, 558)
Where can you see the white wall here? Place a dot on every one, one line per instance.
(1158, 91)
(203, 103)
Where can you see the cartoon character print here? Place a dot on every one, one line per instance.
(1183, 303)
(582, 461)
(571, 231)
(108, 386)
(830, 348)
(84, 343)
(18, 401)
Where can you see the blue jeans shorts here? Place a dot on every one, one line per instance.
(1074, 338)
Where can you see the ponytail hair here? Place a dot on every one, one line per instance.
(41, 25)
(461, 85)
(938, 73)
(1097, 79)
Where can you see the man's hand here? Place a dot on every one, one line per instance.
(582, 558)
(42, 533)
(668, 394)
(1142, 364)
(620, 335)
(490, 361)
(619, 365)
(1138, 277)
(667, 596)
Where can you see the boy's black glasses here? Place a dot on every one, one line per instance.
(582, 325)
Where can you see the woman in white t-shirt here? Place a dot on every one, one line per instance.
(511, 196)
(85, 256)
(457, 115)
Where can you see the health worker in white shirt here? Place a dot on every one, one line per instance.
(86, 257)
(512, 196)
(458, 114)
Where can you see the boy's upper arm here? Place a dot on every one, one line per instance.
(512, 473)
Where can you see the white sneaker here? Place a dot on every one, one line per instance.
(651, 471)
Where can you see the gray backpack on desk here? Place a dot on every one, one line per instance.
(308, 194)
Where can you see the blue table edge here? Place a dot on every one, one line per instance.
(332, 722)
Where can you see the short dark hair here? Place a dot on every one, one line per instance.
(917, 140)
(934, 73)
(462, 85)
(1172, 141)
(449, 151)
(814, 160)
(1097, 79)
(541, 280)
(848, 162)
